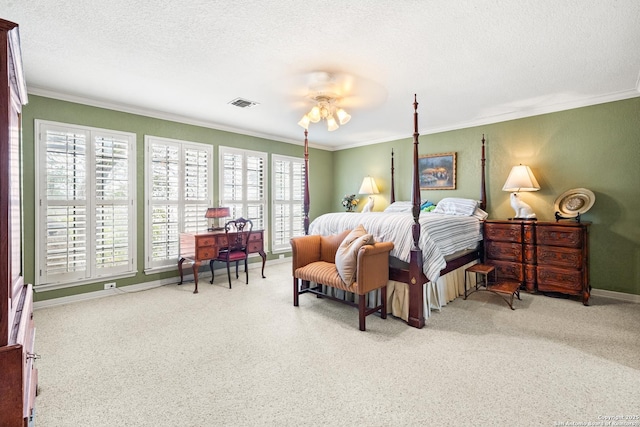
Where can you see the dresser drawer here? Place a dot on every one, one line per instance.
(560, 257)
(206, 241)
(570, 237)
(503, 232)
(508, 270)
(559, 280)
(205, 253)
(255, 237)
(504, 251)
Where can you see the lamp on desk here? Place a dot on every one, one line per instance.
(216, 213)
(521, 179)
(368, 187)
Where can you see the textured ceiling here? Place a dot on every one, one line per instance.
(469, 62)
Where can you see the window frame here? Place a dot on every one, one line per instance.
(291, 201)
(153, 266)
(244, 201)
(92, 273)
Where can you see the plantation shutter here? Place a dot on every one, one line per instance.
(86, 211)
(65, 205)
(179, 180)
(243, 184)
(287, 193)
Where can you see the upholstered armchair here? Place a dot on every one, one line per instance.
(314, 260)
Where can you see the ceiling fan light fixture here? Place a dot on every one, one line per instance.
(314, 114)
(304, 121)
(343, 116)
(331, 123)
(325, 109)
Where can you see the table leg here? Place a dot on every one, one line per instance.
(264, 260)
(180, 270)
(196, 266)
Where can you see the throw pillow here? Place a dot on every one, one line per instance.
(347, 254)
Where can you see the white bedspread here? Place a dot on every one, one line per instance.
(440, 235)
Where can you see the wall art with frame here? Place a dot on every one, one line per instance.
(437, 171)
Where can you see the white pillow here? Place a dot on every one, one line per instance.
(399, 207)
(480, 214)
(347, 253)
(456, 206)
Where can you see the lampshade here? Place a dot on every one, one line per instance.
(521, 179)
(217, 213)
(368, 186)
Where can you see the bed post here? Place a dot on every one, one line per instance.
(305, 205)
(483, 187)
(416, 275)
(393, 184)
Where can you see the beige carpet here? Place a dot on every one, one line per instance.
(247, 357)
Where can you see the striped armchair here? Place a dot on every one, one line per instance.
(314, 261)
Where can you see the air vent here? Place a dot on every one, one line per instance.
(242, 103)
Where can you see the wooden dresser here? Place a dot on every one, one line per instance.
(544, 256)
(18, 376)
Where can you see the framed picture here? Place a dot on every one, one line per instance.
(437, 171)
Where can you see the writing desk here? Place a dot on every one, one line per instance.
(198, 247)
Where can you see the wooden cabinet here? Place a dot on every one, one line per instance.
(18, 376)
(544, 256)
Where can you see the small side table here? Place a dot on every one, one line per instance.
(482, 269)
(506, 289)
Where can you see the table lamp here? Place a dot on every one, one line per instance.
(216, 213)
(521, 179)
(368, 187)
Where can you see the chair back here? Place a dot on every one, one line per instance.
(238, 234)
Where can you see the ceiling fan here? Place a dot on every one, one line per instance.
(329, 93)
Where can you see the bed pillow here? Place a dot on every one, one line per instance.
(480, 214)
(347, 253)
(399, 207)
(456, 206)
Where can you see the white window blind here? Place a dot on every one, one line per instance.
(287, 200)
(243, 184)
(86, 209)
(179, 188)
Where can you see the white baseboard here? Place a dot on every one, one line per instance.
(621, 296)
(143, 286)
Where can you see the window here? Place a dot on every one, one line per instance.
(287, 199)
(86, 209)
(243, 186)
(178, 187)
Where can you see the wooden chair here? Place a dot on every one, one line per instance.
(238, 232)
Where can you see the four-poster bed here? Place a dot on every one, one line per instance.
(417, 256)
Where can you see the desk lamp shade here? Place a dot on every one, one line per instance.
(368, 187)
(213, 213)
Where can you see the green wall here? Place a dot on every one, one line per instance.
(596, 147)
(320, 168)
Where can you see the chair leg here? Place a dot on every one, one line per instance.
(383, 296)
(237, 270)
(246, 270)
(229, 274)
(362, 306)
(295, 291)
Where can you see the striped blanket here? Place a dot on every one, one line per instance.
(440, 235)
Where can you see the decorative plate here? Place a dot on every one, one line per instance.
(575, 201)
